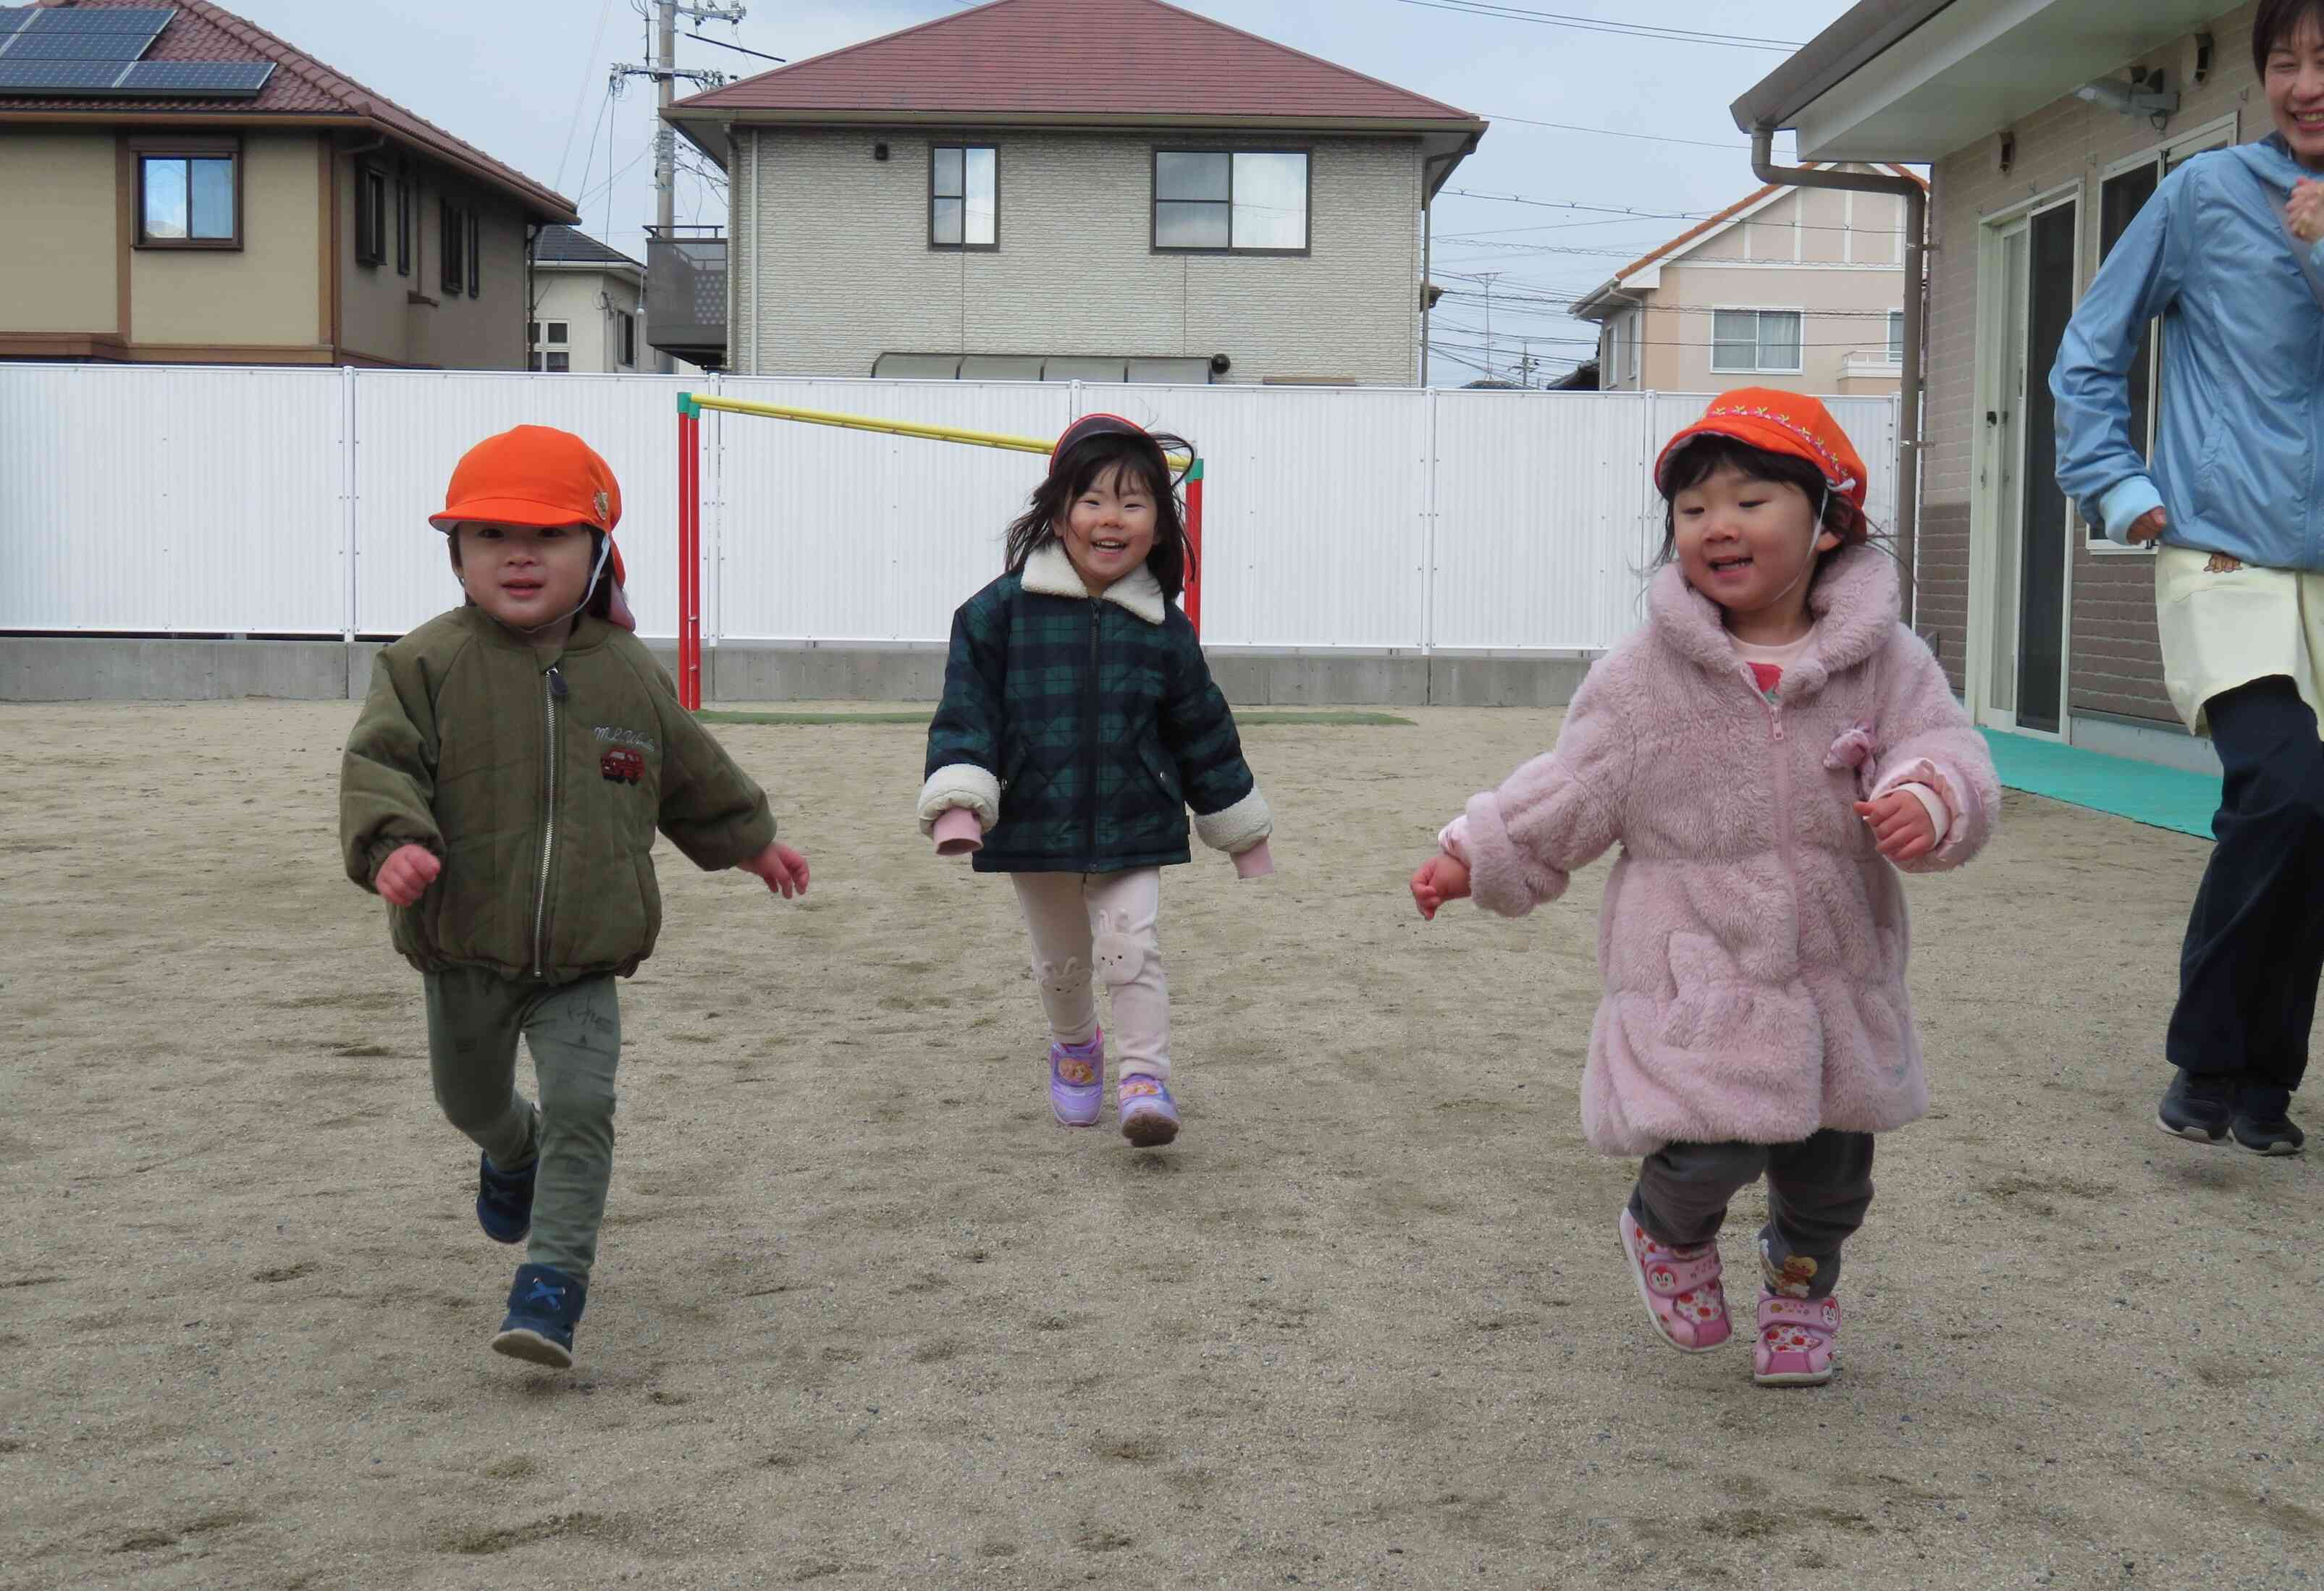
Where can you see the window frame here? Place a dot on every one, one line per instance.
(1758, 340)
(626, 338)
(1154, 200)
(1896, 338)
(451, 244)
(474, 251)
(963, 246)
(371, 215)
(188, 148)
(407, 216)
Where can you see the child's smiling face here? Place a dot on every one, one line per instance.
(526, 577)
(1109, 528)
(1749, 545)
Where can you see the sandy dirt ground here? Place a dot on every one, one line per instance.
(864, 1317)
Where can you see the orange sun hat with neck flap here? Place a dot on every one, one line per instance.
(1789, 423)
(540, 476)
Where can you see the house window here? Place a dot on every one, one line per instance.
(1243, 201)
(629, 335)
(454, 241)
(963, 197)
(1895, 336)
(1756, 340)
(405, 212)
(476, 253)
(189, 198)
(552, 349)
(370, 215)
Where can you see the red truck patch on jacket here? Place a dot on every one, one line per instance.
(622, 766)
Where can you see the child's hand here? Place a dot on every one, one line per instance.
(1441, 878)
(2306, 210)
(1900, 824)
(406, 874)
(783, 869)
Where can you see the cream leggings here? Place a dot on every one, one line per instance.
(1100, 923)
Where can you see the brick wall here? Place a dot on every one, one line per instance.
(848, 274)
(2115, 663)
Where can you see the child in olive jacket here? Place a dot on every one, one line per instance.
(1079, 723)
(502, 789)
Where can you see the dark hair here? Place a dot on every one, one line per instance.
(600, 604)
(1144, 456)
(1706, 455)
(2277, 22)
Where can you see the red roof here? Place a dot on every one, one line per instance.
(299, 87)
(1113, 60)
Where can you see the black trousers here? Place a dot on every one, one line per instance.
(2255, 945)
(1818, 1191)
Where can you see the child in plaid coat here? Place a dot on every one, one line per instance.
(1079, 722)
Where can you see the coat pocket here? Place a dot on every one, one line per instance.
(1723, 1057)
(1163, 769)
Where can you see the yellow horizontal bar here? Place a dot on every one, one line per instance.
(893, 427)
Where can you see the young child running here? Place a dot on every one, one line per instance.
(1765, 750)
(1079, 722)
(502, 789)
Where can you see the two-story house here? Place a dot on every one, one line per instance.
(180, 185)
(1102, 190)
(2047, 125)
(589, 299)
(1800, 288)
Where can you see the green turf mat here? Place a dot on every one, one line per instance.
(2144, 792)
(1246, 720)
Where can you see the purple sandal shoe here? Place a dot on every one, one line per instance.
(1794, 1344)
(1149, 1116)
(1680, 1288)
(1077, 1081)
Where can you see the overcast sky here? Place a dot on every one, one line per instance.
(526, 80)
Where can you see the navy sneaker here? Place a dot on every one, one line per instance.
(2197, 1106)
(2261, 1124)
(504, 1200)
(544, 1306)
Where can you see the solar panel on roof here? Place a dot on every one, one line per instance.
(197, 77)
(136, 19)
(13, 17)
(85, 76)
(40, 44)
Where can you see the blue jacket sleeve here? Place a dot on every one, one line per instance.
(2099, 466)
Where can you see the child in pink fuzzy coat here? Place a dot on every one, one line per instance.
(1767, 751)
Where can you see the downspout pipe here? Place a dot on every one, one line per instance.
(1916, 273)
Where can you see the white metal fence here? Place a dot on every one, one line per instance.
(267, 502)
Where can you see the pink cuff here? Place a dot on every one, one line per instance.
(1943, 797)
(1254, 863)
(1453, 840)
(958, 832)
(1940, 821)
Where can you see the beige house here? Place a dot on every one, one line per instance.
(990, 196)
(588, 305)
(1794, 287)
(201, 191)
(2047, 126)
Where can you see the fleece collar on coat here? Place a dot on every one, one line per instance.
(1050, 572)
(1854, 601)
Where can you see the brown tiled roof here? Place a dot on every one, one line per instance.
(1112, 60)
(299, 87)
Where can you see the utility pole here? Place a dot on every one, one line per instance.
(1486, 277)
(665, 71)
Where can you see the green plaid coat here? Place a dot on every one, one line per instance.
(1101, 727)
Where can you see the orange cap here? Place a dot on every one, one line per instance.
(1789, 423)
(539, 476)
(532, 475)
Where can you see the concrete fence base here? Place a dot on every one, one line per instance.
(83, 668)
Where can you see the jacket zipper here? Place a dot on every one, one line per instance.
(1784, 848)
(1091, 698)
(554, 682)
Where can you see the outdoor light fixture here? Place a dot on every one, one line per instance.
(2142, 95)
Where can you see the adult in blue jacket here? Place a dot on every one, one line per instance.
(2229, 254)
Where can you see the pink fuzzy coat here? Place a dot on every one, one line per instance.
(1753, 941)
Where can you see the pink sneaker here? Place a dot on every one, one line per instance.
(1794, 1344)
(1077, 1081)
(1680, 1288)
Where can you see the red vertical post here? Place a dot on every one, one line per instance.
(1195, 546)
(689, 556)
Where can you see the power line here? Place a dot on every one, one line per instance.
(722, 44)
(1593, 24)
(1609, 131)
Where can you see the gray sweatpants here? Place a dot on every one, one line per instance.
(574, 1030)
(1818, 1191)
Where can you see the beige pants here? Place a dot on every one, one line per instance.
(2222, 630)
(1100, 923)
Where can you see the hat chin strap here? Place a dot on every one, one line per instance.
(604, 551)
(1815, 529)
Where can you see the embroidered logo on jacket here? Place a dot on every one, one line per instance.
(622, 737)
(622, 766)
